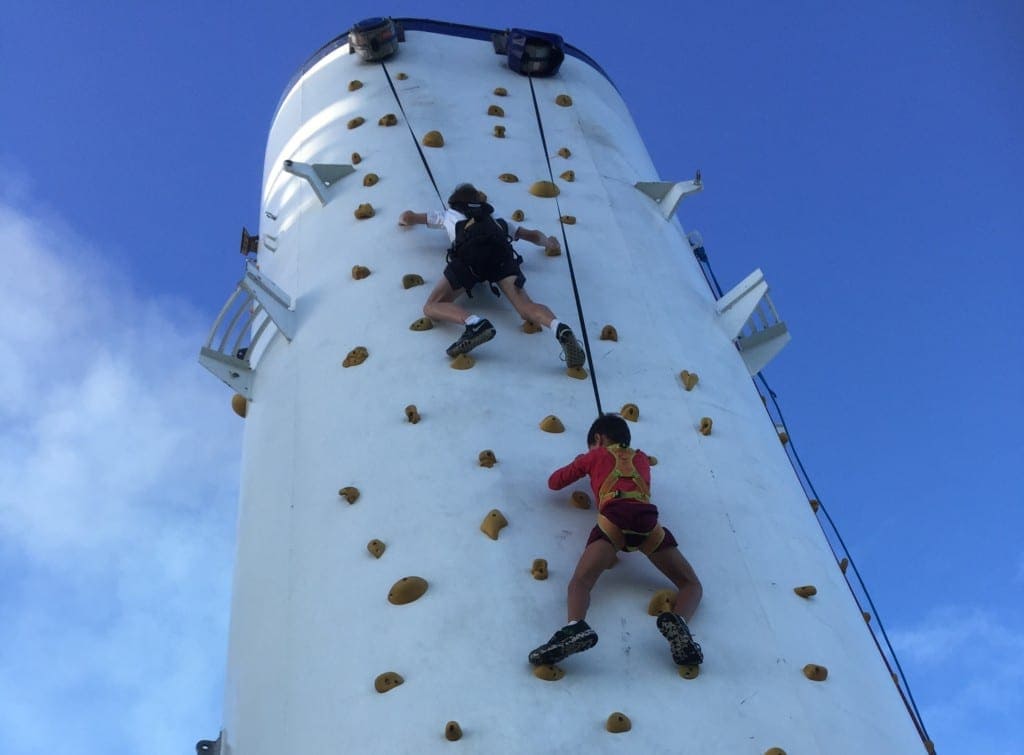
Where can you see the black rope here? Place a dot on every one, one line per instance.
(568, 255)
(408, 124)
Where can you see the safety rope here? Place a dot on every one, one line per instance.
(408, 124)
(568, 254)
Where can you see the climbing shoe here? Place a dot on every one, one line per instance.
(471, 337)
(572, 351)
(685, 652)
(572, 638)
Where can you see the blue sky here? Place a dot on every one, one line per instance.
(868, 159)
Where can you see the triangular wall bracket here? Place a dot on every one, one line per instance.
(668, 195)
(747, 316)
(321, 176)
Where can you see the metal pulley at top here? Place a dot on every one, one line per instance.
(375, 38)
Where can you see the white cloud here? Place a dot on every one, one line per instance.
(118, 475)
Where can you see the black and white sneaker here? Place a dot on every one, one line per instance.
(572, 351)
(572, 638)
(471, 337)
(685, 651)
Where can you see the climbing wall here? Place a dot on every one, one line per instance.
(399, 553)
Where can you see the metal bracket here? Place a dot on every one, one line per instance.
(668, 195)
(748, 317)
(253, 305)
(321, 176)
(209, 746)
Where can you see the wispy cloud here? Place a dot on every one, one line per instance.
(118, 471)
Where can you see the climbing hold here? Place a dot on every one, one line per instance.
(356, 158)
(424, 323)
(774, 751)
(452, 731)
(576, 372)
(487, 458)
(531, 327)
(401, 76)
(552, 424)
(349, 493)
(705, 425)
(499, 131)
(652, 460)
(496, 111)
(412, 279)
(376, 547)
(580, 500)
(568, 219)
(553, 251)
(689, 671)
(518, 215)
(814, 505)
(388, 120)
(548, 673)
(433, 139)
(493, 524)
(358, 355)
(544, 189)
(239, 405)
(867, 617)
(370, 179)
(509, 178)
(569, 175)
(630, 412)
(359, 272)
(815, 673)
(356, 122)
(406, 590)
(618, 723)
(364, 211)
(806, 591)
(354, 85)
(564, 152)
(609, 333)
(539, 570)
(689, 379)
(661, 602)
(844, 564)
(784, 437)
(500, 91)
(463, 362)
(387, 681)
(412, 414)
(564, 100)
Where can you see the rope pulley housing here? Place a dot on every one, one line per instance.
(531, 53)
(374, 38)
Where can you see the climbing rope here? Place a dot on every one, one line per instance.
(412, 133)
(568, 255)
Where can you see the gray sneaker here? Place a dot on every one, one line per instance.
(572, 351)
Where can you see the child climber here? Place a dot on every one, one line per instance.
(627, 520)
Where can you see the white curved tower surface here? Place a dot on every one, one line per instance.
(312, 626)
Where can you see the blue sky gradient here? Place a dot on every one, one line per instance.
(867, 158)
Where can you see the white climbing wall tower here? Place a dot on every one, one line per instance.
(334, 644)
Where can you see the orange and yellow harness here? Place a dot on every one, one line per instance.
(625, 469)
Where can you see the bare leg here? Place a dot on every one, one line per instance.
(673, 565)
(527, 308)
(440, 304)
(597, 557)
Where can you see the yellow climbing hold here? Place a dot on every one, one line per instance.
(689, 671)
(239, 405)
(509, 178)
(577, 373)
(356, 158)
(580, 500)
(388, 120)
(463, 362)
(689, 379)
(406, 590)
(531, 327)
(618, 723)
(401, 76)
(815, 673)
(499, 131)
(564, 152)
(500, 91)
(359, 272)
(496, 110)
(452, 731)
(539, 570)
(518, 215)
(349, 493)
(424, 323)
(609, 333)
(630, 412)
(412, 414)
(806, 591)
(376, 548)
(569, 175)
(661, 602)
(364, 211)
(487, 458)
(568, 219)
(844, 564)
(705, 425)
(552, 424)
(493, 523)
(784, 437)
(564, 100)
(356, 122)
(371, 179)
(774, 751)
(553, 251)
(814, 505)
(411, 280)
(354, 85)
(544, 189)
(548, 673)
(867, 617)
(358, 355)
(433, 139)
(652, 460)
(387, 681)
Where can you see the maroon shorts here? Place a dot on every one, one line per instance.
(638, 517)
